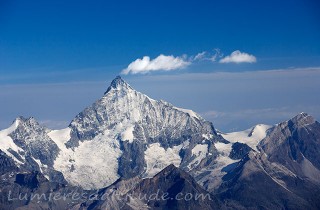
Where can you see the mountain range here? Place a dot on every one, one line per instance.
(128, 151)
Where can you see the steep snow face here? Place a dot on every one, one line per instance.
(6, 142)
(251, 136)
(189, 112)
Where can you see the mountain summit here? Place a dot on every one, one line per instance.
(130, 143)
(123, 134)
(140, 135)
(117, 83)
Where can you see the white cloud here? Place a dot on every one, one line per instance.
(239, 57)
(162, 62)
(170, 62)
(200, 56)
(205, 55)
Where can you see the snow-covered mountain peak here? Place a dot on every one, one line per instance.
(31, 121)
(28, 125)
(118, 84)
(251, 136)
(23, 123)
(259, 130)
(302, 119)
(122, 108)
(130, 134)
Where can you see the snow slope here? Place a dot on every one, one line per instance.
(251, 136)
(6, 142)
(92, 165)
(158, 158)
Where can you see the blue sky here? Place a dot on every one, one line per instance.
(56, 57)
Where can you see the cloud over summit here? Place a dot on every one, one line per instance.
(169, 62)
(162, 62)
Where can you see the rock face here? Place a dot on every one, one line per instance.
(172, 188)
(258, 184)
(7, 164)
(239, 150)
(284, 171)
(295, 144)
(31, 190)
